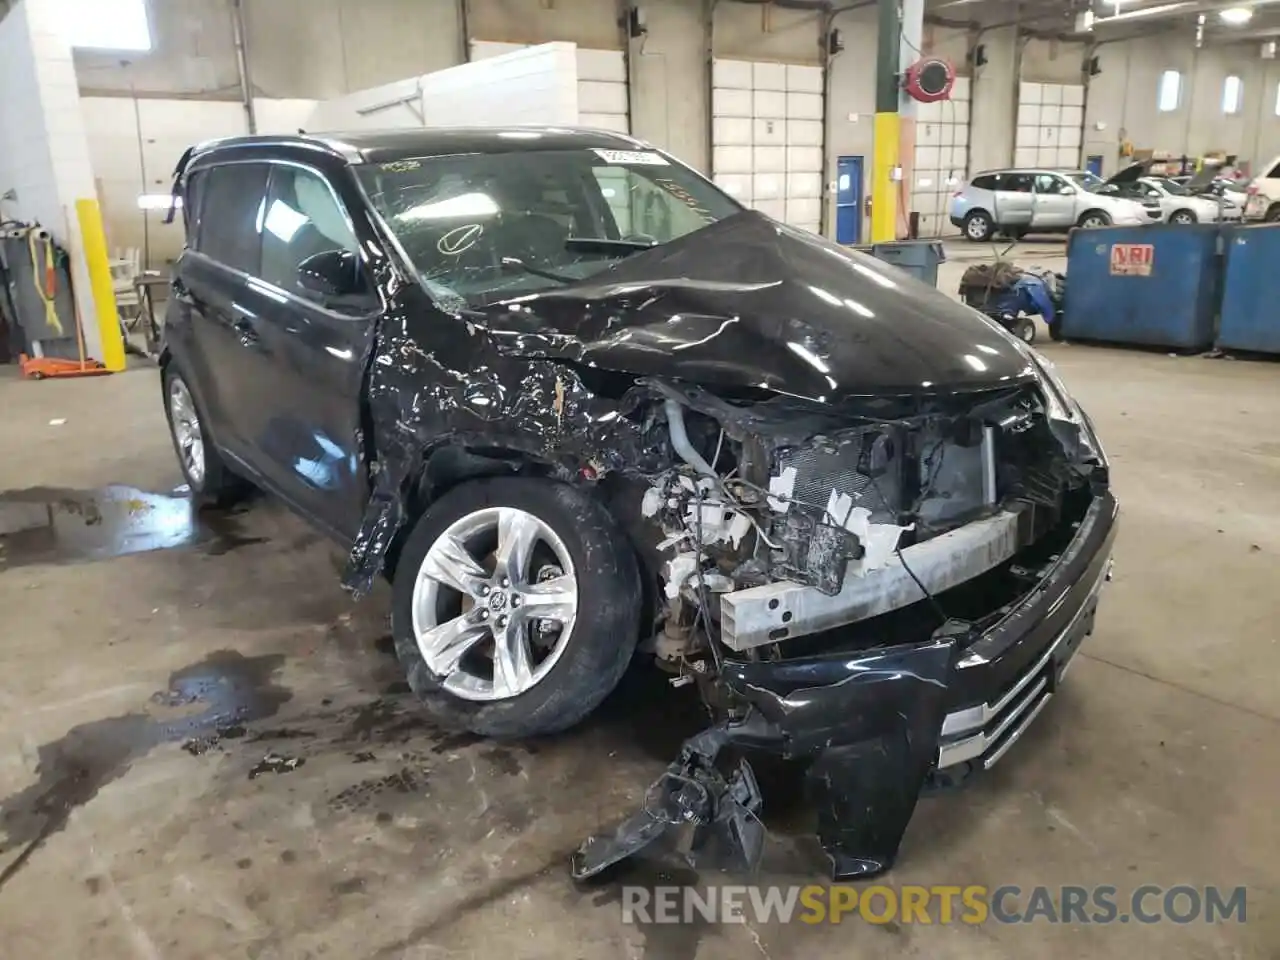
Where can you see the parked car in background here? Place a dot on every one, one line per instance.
(1236, 191)
(1018, 201)
(1172, 202)
(1264, 194)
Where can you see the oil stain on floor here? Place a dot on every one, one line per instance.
(60, 525)
(218, 693)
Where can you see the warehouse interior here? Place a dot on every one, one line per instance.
(222, 729)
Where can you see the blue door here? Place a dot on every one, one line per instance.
(1094, 165)
(849, 200)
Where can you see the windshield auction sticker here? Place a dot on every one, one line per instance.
(633, 157)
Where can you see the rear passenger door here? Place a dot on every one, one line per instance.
(302, 366)
(1014, 200)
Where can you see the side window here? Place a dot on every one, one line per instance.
(230, 198)
(1016, 182)
(987, 181)
(1048, 183)
(301, 218)
(1275, 172)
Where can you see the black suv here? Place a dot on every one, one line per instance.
(578, 404)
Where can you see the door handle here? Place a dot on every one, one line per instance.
(245, 332)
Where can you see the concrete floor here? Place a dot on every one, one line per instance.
(1158, 763)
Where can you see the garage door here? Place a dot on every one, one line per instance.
(942, 158)
(602, 83)
(1050, 122)
(766, 137)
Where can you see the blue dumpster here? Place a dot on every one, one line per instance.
(1251, 290)
(1155, 285)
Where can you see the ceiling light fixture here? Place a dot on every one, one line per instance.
(1143, 12)
(1236, 16)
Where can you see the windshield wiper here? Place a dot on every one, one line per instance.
(515, 263)
(608, 245)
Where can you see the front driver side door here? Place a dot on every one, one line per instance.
(304, 359)
(1055, 203)
(1013, 201)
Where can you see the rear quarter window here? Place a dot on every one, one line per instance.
(985, 182)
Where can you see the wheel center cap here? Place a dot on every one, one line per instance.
(497, 600)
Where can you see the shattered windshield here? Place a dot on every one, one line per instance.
(484, 226)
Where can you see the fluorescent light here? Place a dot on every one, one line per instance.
(1144, 12)
(1236, 16)
(158, 201)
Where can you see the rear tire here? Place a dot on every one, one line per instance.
(496, 668)
(1024, 328)
(206, 473)
(1273, 214)
(1093, 219)
(978, 226)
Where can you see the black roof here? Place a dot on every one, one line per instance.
(383, 146)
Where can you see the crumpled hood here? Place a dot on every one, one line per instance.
(749, 302)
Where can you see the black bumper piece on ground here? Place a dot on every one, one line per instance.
(873, 725)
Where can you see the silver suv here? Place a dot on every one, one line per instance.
(1014, 202)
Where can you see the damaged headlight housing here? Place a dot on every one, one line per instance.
(1064, 408)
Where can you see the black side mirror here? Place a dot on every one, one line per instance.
(331, 274)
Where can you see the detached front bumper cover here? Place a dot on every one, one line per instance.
(872, 725)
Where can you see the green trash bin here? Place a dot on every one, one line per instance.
(920, 258)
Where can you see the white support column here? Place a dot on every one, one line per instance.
(44, 153)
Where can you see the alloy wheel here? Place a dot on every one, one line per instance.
(187, 431)
(494, 603)
(977, 228)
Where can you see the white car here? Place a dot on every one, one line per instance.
(1264, 194)
(1176, 204)
(1019, 201)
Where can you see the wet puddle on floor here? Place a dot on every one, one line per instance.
(215, 697)
(60, 525)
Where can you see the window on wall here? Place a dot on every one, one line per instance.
(1232, 94)
(105, 24)
(1170, 91)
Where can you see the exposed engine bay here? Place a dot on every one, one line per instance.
(776, 522)
(790, 539)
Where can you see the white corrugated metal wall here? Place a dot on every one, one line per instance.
(602, 83)
(941, 159)
(766, 140)
(1050, 125)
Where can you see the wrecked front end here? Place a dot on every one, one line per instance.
(887, 592)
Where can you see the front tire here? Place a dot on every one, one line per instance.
(515, 606)
(1093, 219)
(1183, 217)
(1024, 328)
(206, 473)
(978, 226)
(1273, 214)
